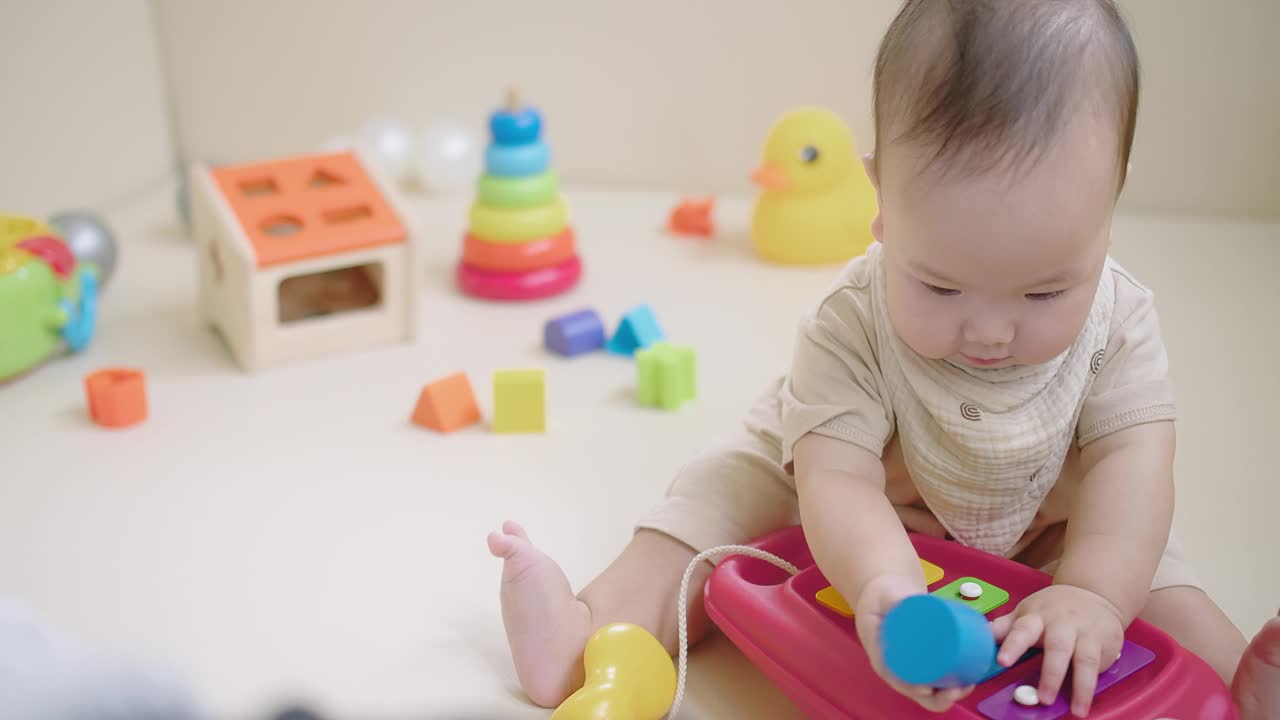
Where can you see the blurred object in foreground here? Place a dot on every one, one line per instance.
(48, 675)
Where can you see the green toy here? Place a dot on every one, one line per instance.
(665, 376)
(49, 282)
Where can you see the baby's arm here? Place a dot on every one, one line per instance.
(1120, 524)
(1116, 534)
(851, 527)
(858, 541)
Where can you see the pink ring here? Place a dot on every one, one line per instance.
(519, 286)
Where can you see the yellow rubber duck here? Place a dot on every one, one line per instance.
(816, 203)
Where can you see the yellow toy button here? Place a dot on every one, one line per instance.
(832, 599)
(932, 573)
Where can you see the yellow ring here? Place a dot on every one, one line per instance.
(16, 228)
(513, 225)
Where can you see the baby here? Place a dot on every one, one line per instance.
(984, 372)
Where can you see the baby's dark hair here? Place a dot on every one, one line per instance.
(990, 83)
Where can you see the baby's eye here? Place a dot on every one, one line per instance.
(940, 290)
(1044, 295)
(809, 154)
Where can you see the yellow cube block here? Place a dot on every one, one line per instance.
(519, 401)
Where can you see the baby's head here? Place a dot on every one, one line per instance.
(1003, 130)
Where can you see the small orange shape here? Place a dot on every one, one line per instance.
(693, 217)
(117, 397)
(519, 257)
(447, 404)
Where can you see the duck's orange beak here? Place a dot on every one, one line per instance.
(770, 177)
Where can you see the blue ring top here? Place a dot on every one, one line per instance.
(515, 128)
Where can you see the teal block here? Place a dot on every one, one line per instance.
(666, 376)
(638, 329)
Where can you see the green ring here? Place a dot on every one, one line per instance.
(518, 192)
(507, 225)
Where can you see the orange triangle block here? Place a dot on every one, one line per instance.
(447, 404)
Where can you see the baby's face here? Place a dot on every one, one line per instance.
(998, 269)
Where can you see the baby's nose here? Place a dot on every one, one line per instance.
(990, 330)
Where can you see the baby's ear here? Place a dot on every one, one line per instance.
(869, 164)
(877, 224)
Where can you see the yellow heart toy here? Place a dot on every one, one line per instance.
(630, 676)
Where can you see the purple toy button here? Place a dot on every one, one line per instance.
(1002, 706)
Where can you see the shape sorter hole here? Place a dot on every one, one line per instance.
(281, 225)
(329, 292)
(322, 179)
(348, 214)
(259, 187)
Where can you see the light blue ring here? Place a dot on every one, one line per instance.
(517, 160)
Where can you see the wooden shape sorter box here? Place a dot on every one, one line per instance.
(303, 258)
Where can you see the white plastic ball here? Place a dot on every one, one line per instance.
(391, 146)
(450, 157)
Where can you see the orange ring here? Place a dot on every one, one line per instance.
(519, 257)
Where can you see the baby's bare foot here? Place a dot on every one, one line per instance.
(1257, 681)
(547, 626)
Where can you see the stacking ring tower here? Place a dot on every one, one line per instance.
(519, 243)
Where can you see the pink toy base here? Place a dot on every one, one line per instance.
(530, 285)
(813, 655)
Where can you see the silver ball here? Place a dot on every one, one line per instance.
(89, 240)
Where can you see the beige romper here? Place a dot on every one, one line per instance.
(993, 454)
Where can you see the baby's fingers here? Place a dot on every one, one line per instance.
(1085, 665)
(939, 700)
(951, 696)
(1059, 645)
(1024, 633)
(1000, 627)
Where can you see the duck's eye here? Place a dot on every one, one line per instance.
(809, 154)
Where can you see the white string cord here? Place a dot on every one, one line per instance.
(683, 610)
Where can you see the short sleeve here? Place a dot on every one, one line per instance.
(1132, 386)
(835, 387)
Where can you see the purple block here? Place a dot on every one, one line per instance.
(574, 334)
(1002, 706)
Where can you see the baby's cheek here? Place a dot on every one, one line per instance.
(1048, 337)
(924, 328)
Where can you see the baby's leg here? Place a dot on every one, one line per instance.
(547, 626)
(1196, 622)
(730, 494)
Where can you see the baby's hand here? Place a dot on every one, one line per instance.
(877, 599)
(1081, 629)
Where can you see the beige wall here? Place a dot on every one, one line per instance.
(660, 93)
(84, 121)
(678, 94)
(1209, 127)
